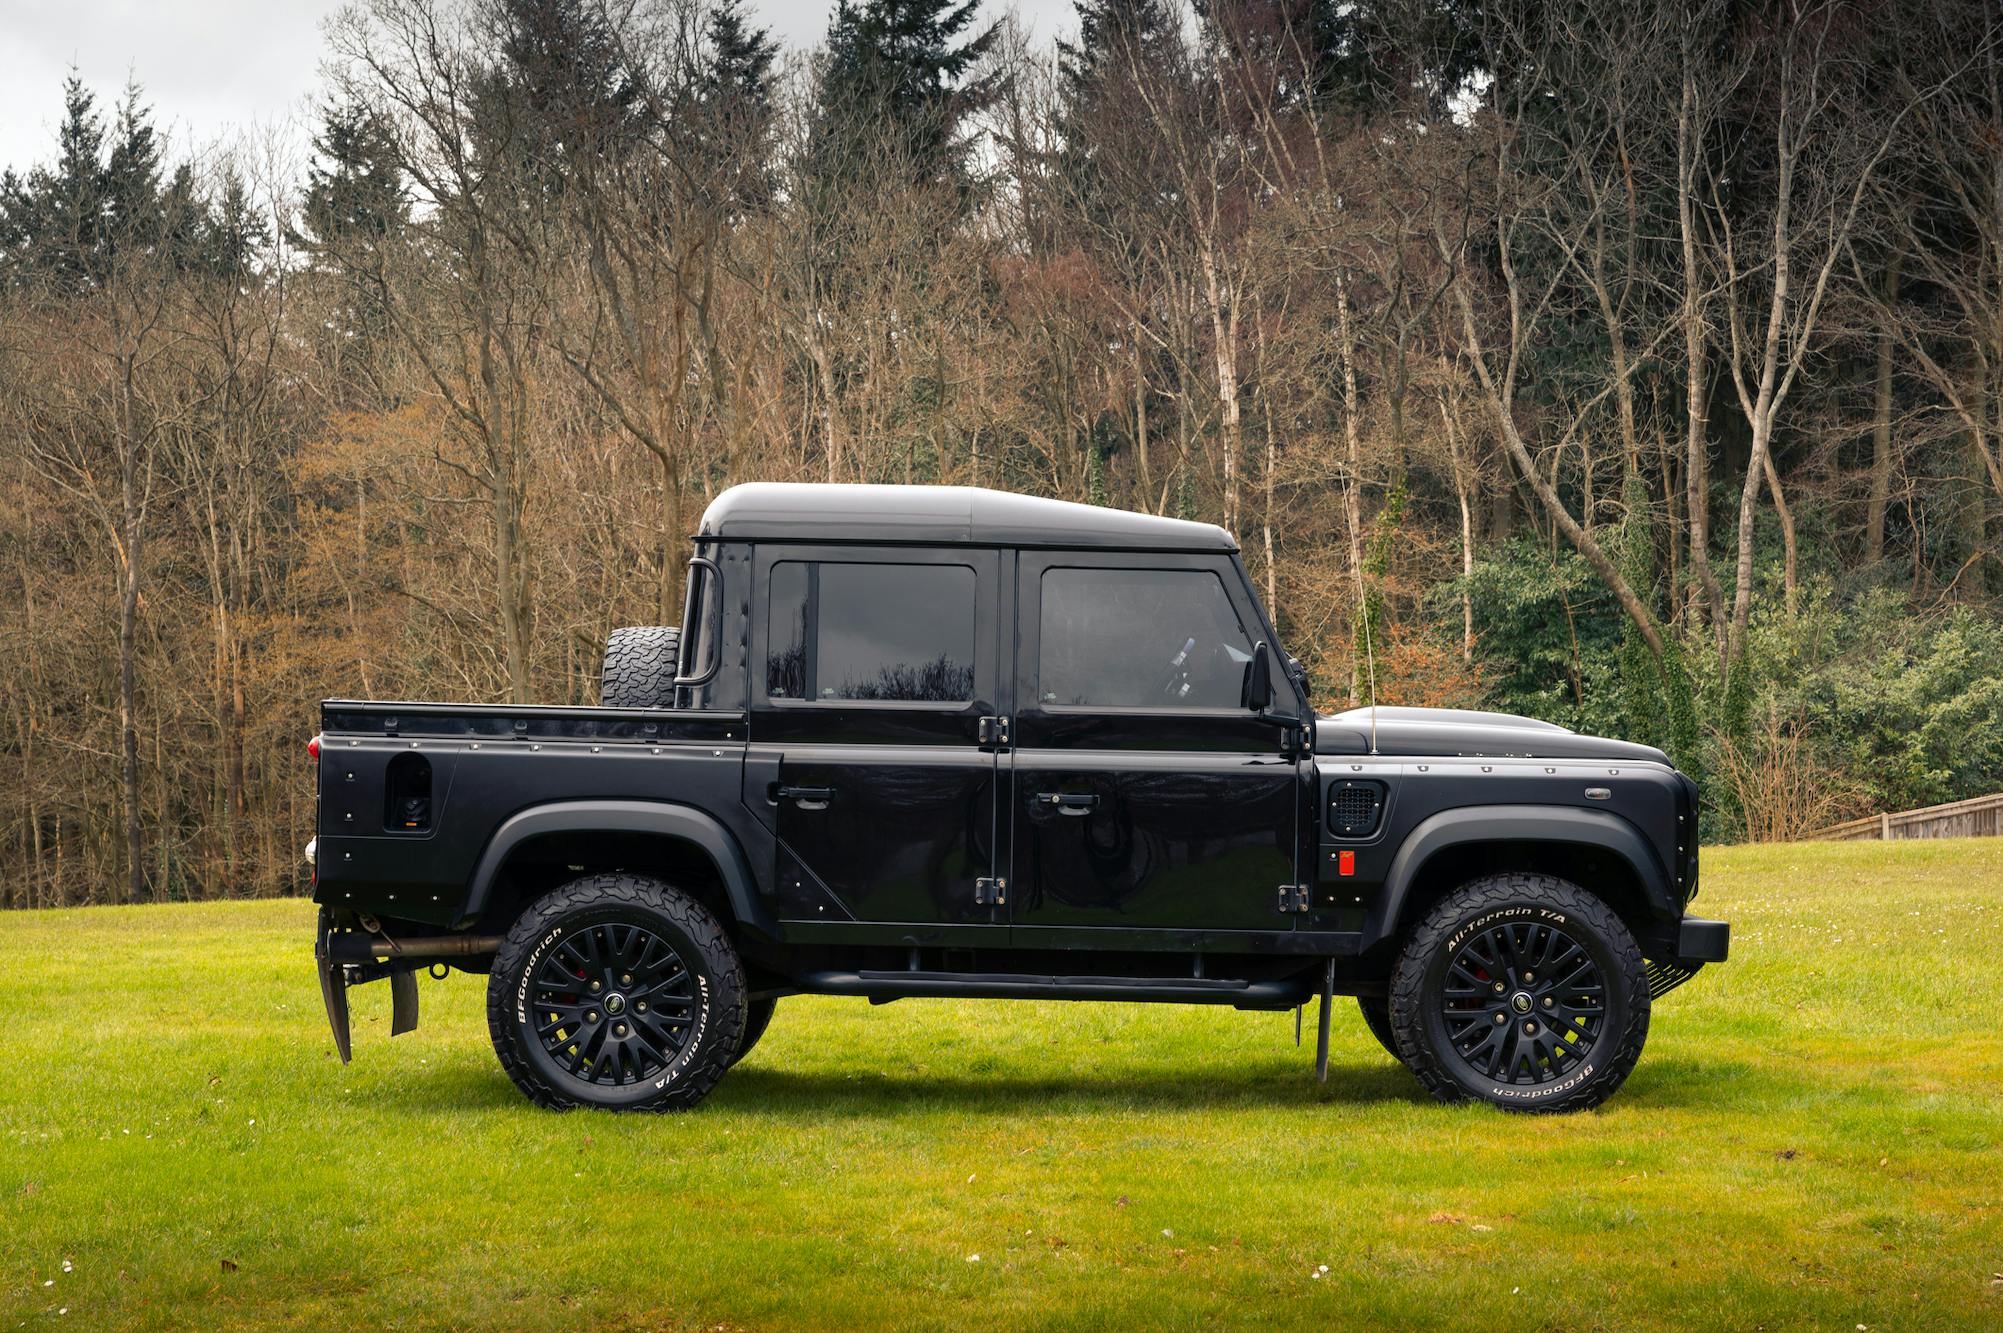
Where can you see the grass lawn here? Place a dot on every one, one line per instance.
(1813, 1139)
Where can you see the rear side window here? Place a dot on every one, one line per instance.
(870, 632)
(1139, 638)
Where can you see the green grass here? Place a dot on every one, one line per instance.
(1813, 1139)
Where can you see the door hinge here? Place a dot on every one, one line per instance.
(990, 892)
(994, 731)
(1293, 897)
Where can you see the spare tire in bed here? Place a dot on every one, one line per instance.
(640, 665)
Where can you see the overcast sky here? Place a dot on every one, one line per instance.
(208, 65)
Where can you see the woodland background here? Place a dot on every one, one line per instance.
(1634, 365)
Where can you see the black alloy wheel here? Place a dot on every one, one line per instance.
(616, 991)
(614, 1003)
(1523, 1003)
(1521, 990)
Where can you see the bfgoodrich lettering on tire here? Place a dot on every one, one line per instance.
(616, 991)
(1521, 990)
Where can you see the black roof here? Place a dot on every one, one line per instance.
(941, 515)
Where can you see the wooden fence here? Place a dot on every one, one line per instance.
(1977, 817)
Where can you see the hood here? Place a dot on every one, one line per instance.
(1464, 733)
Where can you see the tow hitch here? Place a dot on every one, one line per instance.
(347, 957)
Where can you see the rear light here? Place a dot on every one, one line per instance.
(313, 747)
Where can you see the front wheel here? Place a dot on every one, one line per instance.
(1523, 991)
(1377, 1017)
(616, 991)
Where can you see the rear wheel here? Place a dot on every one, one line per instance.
(640, 666)
(757, 1017)
(1523, 991)
(616, 991)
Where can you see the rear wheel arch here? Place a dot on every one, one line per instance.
(545, 846)
(1597, 850)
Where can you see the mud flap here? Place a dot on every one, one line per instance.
(334, 988)
(402, 1003)
(336, 976)
(1321, 1023)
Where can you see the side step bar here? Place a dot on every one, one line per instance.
(885, 986)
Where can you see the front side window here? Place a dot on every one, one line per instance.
(1139, 638)
(870, 632)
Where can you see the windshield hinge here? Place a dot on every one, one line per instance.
(1293, 897)
(990, 892)
(994, 733)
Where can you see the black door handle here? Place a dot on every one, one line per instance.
(807, 798)
(1069, 803)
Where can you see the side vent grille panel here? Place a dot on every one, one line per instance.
(1355, 807)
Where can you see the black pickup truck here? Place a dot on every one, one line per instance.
(936, 741)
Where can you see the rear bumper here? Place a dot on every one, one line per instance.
(1701, 941)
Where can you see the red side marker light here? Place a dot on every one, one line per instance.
(1345, 862)
(313, 747)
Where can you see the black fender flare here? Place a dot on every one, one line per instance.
(681, 822)
(1487, 824)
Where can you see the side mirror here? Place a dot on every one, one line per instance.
(1258, 692)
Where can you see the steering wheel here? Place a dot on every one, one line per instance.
(1177, 670)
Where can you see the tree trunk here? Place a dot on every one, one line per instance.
(1352, 472)
(1696, 446)
(1881, 429)
(1467, 575)
(1224, 340)
(1786, 516)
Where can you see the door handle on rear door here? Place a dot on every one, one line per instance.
(1069, 803)
(807, 798)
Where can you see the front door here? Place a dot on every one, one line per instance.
(1146, 795)
(872, 671)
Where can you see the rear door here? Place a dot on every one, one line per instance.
(872, 671)
(1146, 795)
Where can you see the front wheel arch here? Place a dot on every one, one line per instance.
(1596, 849)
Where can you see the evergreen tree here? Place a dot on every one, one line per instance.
(133, 199)
(733, 111)
(52, 221)
(740, 58)
(898, 75)
(355, 203)
(228, 236)
(355, 193)
(1117, 40)
(559, 97)
(1101, 118)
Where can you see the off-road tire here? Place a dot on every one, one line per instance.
(757, 1017)
(640, 666)
(1419, 979)
(1377, 1017)
(715, 1006)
